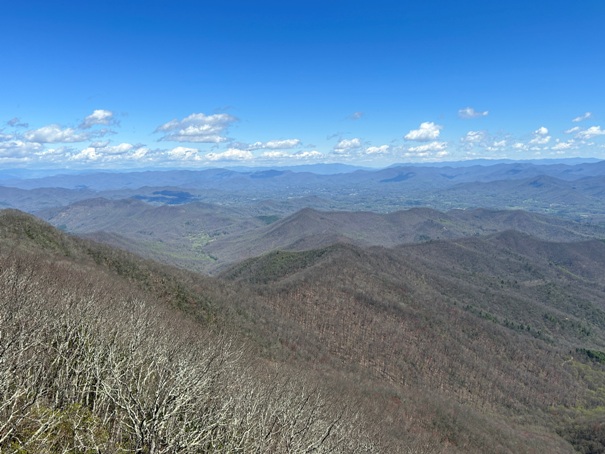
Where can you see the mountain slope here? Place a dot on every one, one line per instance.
(207, 237)
(309, 229)
(495, 328)
(95, 357)
(570, 199)
(481, 344)
(173, 234)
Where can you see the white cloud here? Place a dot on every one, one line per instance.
(519, 146)
(98, 117)
(232, 154)
(426, 132)
(541, 136)
(378, 150)
(197, 127)
(562, 146)
(140, 152)
(18, 148)
(275, 154)
(345, 146)
(356, 115)
(469, 112)
(282, 155)
(572, 130)
(185, 153)
(102, 151)
(541, 131)
(583, 117)
(55, 134)
(591, 132)
(56, 154)
(308, 155)
(474, 137)
(87, 154)
(276, 144)
(496, 145)
(118, 149)
(429, 147)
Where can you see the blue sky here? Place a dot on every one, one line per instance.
(143, 84)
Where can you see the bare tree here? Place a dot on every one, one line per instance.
(84, 368)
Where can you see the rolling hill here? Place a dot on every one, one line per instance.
(208, 237)
(491, 340)
(309, 229)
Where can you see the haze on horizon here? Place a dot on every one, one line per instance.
(147, 84)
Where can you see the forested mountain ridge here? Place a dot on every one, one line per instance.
(506, 322)
(95, 356)
(489, 343)
(208, 237)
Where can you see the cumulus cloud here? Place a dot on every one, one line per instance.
(426, 132)
(591, 132)
(572, 130)
(55, 134)
(561, 146)
(541, 136)
(313, 154)
(16, 123)
(345, 146)
(14, 148)
(140, 152)
(276, 144)
(301, 155)
(428, 151)
(469, 112)
(87, 154)
(98, 117)
(474, 137)
(118, 149)
(540, 140)
(477, 141)
(356, 115)
(583, 117)
(184, 154)
(102, 151)
(519, 146)
(378, 150)
(232, 154)
(197, 127)
(275, 154)
(429, 147)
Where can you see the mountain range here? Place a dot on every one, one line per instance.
(453, 309)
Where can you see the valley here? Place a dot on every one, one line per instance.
(435, 316)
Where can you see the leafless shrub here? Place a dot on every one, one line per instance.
(82, 370)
